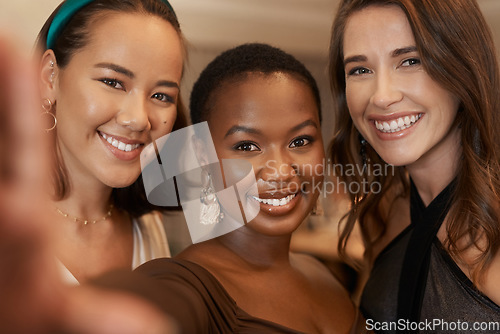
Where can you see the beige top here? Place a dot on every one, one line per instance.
(150, 242)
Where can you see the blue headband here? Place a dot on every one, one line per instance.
(66, 12)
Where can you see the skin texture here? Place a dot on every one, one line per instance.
(254, 262)
(123, 83)
(383, 84)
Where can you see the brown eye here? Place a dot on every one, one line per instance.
(112, 83)
(163, 98)
(247, 147)
(299, 142)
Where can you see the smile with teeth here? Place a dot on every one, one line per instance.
(118, 144)
(275, 201)
(398, 124)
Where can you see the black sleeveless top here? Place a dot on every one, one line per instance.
(414, 282)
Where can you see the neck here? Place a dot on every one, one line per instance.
(255, 249)
(86, 200)
(433, 172)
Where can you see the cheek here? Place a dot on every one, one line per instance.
(163, 123)
(87, 111)
(311, 167)
(447, 102)
(355, 100)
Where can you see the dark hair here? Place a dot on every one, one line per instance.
(235, 64)
(74, 37)
(457, 51)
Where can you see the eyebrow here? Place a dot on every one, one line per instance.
(396, 53)
(304, 124)
(354, 59)
(166, 83)
(238, 128)
(116, 68)
(405, 50)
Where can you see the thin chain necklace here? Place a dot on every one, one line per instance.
(86, 221)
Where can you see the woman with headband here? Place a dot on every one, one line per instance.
(417, 86)
(34, 300)
(110, 73)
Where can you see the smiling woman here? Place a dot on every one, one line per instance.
(416, 86)
(110, 73)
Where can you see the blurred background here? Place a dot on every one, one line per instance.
(300, 27)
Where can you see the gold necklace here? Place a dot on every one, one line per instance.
(86, 221)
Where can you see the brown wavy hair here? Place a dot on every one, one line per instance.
(457, 51)
(74, 37)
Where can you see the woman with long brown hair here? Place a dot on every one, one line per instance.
(416, 85)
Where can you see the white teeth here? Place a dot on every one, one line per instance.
(118, 144)
(398, 124)
(275, 201)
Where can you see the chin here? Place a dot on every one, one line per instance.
(398, 159)
(117, 182)
(276, 226)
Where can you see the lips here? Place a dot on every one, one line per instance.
(397, 124)
(120, 144)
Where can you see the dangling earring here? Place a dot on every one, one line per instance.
(47, 106)
(362, 152)
(210, 207)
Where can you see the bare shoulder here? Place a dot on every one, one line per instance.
(310, 266)
(320, 276)
(328, 294)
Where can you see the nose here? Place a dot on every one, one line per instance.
(278, 167)
(387, 91)
(134, 114)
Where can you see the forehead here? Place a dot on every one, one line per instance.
(273, 95)
(138, 41)
(377, 27)
(132, 27)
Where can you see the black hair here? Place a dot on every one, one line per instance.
(236, 64)
(75, 34)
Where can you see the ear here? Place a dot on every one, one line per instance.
(48, 76)
(199, 150)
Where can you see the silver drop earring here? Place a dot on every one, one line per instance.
(210, 207)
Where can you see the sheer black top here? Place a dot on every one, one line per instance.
(415, 279)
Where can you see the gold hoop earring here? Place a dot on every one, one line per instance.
(47, 107)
